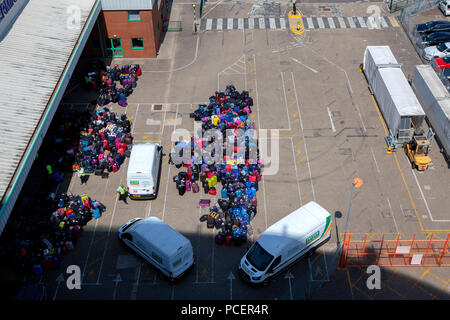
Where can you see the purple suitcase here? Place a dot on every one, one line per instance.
(219, 239)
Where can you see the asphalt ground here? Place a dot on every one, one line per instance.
(309, 92)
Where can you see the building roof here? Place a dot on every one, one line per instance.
(34, 57)
(127, 4)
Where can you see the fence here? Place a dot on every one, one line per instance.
(395, 250)
(414, 7)
(405, 18)
(173, 26)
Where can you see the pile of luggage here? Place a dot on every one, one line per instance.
(43, 228)
(105, 83)
(239, 178)
(104, 143)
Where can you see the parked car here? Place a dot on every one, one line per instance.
(445, 7)
(441, 63)
(444, 74)
(432, 26)
(433, 39)
(439, 51)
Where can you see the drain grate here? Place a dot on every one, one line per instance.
(345, 151)
(157, 107)
(409, 214)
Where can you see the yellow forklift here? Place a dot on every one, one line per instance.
(418, 150)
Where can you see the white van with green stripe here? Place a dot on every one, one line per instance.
(285, 242)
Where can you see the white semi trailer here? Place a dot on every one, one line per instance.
(399, 105)
(435, 100)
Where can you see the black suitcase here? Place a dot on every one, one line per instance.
(210, 222)
(105, 175)
(99, 171)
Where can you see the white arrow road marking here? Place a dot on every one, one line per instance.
(289, 276)
(116, 280)
(313, 70)
(231, 277)
(59, 280)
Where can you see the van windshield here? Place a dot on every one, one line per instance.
(259, 257)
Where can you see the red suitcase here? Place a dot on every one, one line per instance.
(228, 240)
(195, 187)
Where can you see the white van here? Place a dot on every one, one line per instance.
(144, 170)
(163, 247)
(445, 7)
(286, 241)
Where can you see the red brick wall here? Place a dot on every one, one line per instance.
(116, 23)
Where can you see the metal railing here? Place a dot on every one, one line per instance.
(173, 26)
(395, 250)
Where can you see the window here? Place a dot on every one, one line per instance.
(258, 257)
(176, 263)
(137, 43)
(134, 15)
(275, 263)
(157, 258)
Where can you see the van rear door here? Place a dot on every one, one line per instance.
(141, 185)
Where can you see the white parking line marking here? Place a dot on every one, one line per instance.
(304, 140)
(168, 173)
(259, 128)
(392, 214)
(375, 160)
(331, 120)
(425, 200)
(296, 173)
(285, 101)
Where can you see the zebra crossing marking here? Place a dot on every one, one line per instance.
(219, 24)
(341, 22)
